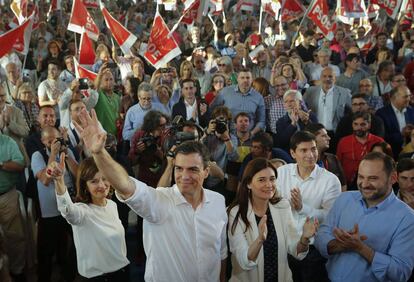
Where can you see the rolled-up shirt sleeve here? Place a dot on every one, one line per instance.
(147, 202)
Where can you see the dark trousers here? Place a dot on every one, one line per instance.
(310, 269)
(121, 275)
(54, 239)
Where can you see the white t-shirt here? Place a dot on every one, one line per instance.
(98, 234)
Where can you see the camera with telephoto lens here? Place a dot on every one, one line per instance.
(148, 141)
(181, 137)
(221, 126)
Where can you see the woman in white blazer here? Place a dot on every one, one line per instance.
(262, 230)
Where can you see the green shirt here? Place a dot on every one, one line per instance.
(9, 151)
(107, 111)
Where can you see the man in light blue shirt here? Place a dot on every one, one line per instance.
(368, 234)
(243, 98)
(135, 115)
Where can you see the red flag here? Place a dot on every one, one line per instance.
(86, 52)
(373, 10)
(318, 12)
(123, 37)
(190, 14)
(391, 7)
(244, 5)
(292, 10)
(161, 48)
(81, 72)
(350, 9)
(80, 18)
(272, 7)
(17, 38)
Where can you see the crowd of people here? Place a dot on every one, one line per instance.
(292, 164)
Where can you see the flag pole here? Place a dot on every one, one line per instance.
(260, 17)
(76, 44)
(292, 44)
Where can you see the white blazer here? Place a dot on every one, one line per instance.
(287, 239)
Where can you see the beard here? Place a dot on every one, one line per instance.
(360, 133)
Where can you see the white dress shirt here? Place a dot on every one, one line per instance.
(98, 235)
(181, 244)
(400, 115)
(325, 109)
(190, 109)
(319, 191)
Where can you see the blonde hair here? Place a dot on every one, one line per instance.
(24, 87)
(186, 63)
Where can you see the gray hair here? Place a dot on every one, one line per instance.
(144, 86)
(295, 93)
(325, 51)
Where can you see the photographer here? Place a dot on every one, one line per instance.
(188, 131)
(53, 231)
(221, 145)
(146, 147)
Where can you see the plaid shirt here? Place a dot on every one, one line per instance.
(274, 111)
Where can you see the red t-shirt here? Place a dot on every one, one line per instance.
(350, 153)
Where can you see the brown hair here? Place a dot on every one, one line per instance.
(262, 86)
(86, 171)
(244, 196)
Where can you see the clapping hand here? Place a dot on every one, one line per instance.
(90, 132)
(407, 198)
(296, 199)
(310, 227)
(263, 229)
(350, 240)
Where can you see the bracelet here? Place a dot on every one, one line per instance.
(226, 140)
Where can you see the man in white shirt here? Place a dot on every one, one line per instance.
(311, 190)
(328, 101)
(184, 225)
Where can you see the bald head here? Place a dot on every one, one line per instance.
(12, 72)
(49, 135)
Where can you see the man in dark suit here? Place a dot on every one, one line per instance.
(295, 119)
(189, 107)
(396, 116)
